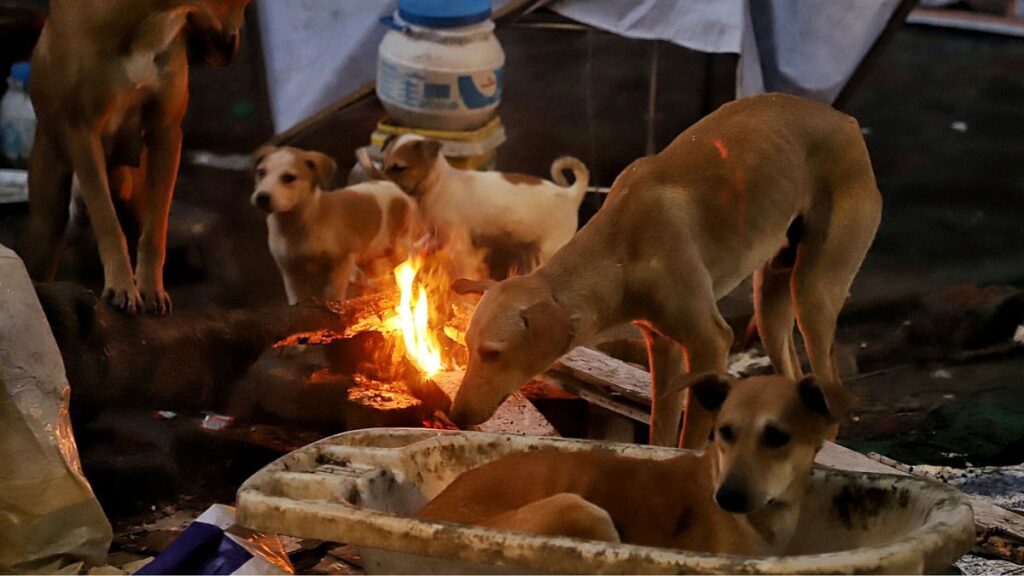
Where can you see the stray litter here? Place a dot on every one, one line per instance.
(214, 544)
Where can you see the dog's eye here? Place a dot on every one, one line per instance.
(288, 178)
(726, 433)
(775, 438)
(261, 174)
(397, 168)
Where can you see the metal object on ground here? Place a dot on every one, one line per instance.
(362, 487)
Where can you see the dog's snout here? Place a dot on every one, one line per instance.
(732, 499)
(262, 201)
(464, 417)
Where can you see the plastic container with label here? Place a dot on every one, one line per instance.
(17, 118)
(440, 66)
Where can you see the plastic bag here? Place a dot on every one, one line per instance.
(48, 513)
(214, 544)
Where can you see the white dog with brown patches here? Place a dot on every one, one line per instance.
(319, 237)
(491, 206)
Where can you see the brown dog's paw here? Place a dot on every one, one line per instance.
(127, 300)
(157, 302)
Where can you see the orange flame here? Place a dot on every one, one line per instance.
(412, 320)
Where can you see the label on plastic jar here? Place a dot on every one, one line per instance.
(418, 89)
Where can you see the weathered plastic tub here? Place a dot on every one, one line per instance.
(361, 487)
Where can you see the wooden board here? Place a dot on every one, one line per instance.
(614, 377)
(516, 415)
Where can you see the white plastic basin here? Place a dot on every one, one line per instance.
(362, 487)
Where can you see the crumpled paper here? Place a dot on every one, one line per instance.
(48, 513)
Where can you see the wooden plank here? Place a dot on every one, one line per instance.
(612, 376)
(293, 133)
(638, 412)
(963, 20)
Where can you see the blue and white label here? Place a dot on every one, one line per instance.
(416, 89)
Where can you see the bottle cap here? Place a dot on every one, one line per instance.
(20, 71)
(444, 13)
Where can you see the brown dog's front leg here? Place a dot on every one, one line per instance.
(667, 396)
(90, 165)
(161, 170)
(707, 350)
(49, 183)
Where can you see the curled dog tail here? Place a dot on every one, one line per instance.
(579, 172)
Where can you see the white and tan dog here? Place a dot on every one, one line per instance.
(740, 496)
(493, 207)
(319, 237)
(773, 185)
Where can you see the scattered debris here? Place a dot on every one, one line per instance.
(959, 126)
(749, 363)
(165, 415)
(234, 162)
(942, 374)
(215, 544)
(971, 564)
(216, 421)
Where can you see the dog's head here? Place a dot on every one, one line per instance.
(768, 430)
(215, 30)
(287, 178)
(409, 160)
(517, 331)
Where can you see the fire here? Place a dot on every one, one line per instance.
(412, 320)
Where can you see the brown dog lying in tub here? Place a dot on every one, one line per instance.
(741, 496)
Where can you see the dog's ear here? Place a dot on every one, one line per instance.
(549, 325)
(385, 146)
(214, 31)
(323, 166)
(464, 286)
(429, 149)
(827, 400)
(262, 153)
(710, 390)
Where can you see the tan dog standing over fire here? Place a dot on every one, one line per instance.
(110, 88)
(317, 236)
(773, 185)
(492, 207)
(741, 496)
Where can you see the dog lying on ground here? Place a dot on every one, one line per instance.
(493, 207)
(740, 496)
(319, 237)
(110, 88)
(773, 185)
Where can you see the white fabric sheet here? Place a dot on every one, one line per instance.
(317, 51)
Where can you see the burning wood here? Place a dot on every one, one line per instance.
(396, 343)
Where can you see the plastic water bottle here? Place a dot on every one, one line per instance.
(17, 119)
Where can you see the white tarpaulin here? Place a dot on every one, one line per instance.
(318, 51)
